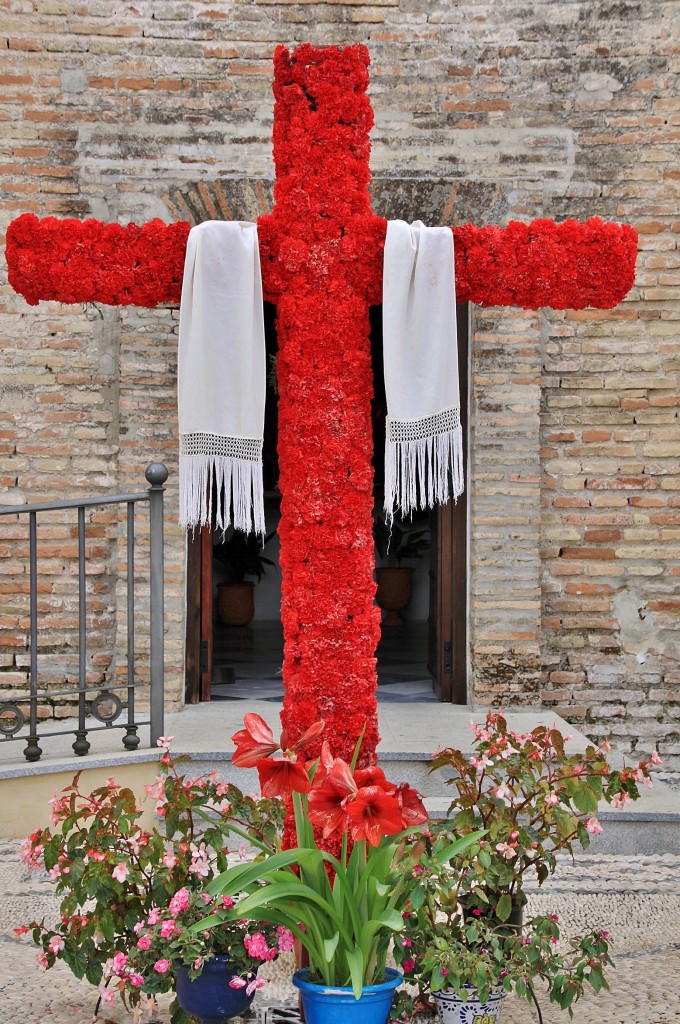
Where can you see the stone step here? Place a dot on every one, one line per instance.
(410, 734)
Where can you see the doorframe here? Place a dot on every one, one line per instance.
(450, 663)
(452, 669)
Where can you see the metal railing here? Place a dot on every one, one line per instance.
(106, 706)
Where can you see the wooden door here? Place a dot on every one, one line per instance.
(199, 631)
(447, 627)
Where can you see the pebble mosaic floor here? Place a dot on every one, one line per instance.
(637, 899)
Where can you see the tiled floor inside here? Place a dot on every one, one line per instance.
(247, 663)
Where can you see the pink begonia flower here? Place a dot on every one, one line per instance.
(552, 798)
(135, 979)
(56, 944)
(237, 982)
(111, 782)
(154, 916)
(120, 872)
(30, 854)
(503, 793)
(164, 741)
(179, 902)
(221, 789)
(199, 860)
(53, 873)
(161, 966)
(593, 826)
(286, 939)
(144, 942)
(107, 995)
(253, 985)
(118, 963)
(620, 800)
(506, 850)
(42, 960)
(481, 762)
(156, 789)
(169, 859)
(198, 963)
(257, 947)
(654, 757)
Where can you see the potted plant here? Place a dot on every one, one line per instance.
(468, 966)
(396, 544)
(343, 907)
(241, 555)
(114, 876)
(533, 800)
(213, 973)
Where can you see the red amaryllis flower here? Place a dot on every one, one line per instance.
(252, 743)
(309, 735)
(373, 776)
(327, 801)
(411, 806)
(372, 814)
(280, 776)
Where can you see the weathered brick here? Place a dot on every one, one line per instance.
(584, 397)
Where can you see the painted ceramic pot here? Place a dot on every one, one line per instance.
(453, 1009)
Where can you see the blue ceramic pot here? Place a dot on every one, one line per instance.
(209, 997)
(324, 1004)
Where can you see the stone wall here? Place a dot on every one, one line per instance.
(484, 111)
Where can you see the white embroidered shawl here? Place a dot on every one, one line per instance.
(221, 378)
(222, 374)
(424, 443)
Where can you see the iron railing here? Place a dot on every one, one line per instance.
(106, 706)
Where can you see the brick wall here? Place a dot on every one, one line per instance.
(484, 111)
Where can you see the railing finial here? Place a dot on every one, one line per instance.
(156, 474)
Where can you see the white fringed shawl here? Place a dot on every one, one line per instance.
(222, 374)
(424, 443)
(221, 378)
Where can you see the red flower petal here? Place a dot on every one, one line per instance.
(411, 805)
(253, 743)
(282, 777)
(373, 814)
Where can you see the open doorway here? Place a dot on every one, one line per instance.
(422, 654)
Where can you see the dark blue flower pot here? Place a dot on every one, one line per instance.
(209, 997)
(325, 1004)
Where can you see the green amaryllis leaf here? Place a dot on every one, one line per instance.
(240, 876)
(330, 946)
(357, 967)
(392, 919)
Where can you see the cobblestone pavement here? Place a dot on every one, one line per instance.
(637, 899)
